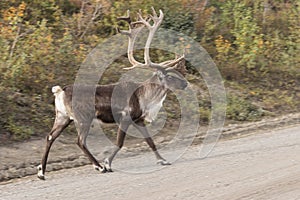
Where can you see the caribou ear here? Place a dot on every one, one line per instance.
(180, 66)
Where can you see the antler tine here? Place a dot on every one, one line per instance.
(152, 29)
(171, 64)
(126, 18)
(156, 19)
(132, 34)
(153, 11)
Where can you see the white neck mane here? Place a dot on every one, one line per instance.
(151, 99)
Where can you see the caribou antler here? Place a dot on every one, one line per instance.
(132, 33)
(152, 29)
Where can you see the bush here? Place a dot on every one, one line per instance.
(241, 110)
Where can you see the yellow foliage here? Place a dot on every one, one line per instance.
(13, 14)
(223, 47)
(260, 43)
(11, 18)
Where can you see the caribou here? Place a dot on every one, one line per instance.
(136, 103)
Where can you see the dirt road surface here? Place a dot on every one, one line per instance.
(261, 166)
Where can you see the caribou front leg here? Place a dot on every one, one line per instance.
(120, 141)
(140, 125)
(83, 130)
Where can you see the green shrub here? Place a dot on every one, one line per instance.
(242, 110)
(19, 131)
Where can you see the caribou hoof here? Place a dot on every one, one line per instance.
(41, 177)
(163, 162)
(40, 174)
(101, 169)
(107, 165)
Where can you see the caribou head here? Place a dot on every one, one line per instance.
(169, 74)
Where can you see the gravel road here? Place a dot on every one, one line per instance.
(260, 166)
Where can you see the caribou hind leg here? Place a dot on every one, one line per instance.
(140, 125)
(61, 122)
